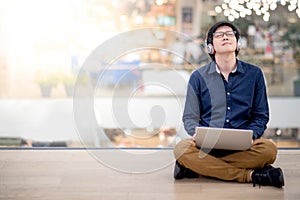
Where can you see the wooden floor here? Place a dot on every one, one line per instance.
(80, 174)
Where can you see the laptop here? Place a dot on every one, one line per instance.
(223, 138)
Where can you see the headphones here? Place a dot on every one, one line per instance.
(211, 50)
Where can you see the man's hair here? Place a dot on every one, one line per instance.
(212, 30)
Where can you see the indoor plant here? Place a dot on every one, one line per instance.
(46, 82)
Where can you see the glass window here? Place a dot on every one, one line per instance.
(113, 73)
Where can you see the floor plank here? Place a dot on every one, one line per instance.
(79, 174)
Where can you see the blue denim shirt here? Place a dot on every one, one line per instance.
(241, 102)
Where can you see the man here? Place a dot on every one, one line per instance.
(227, 93)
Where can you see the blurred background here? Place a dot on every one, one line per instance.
(44, 46)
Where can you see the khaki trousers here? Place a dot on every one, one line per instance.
(223, 164)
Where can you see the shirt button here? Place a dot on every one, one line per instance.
(227, 120)
(228, 108)
(228, 93)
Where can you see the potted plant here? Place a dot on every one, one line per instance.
(69, 80)
(46, 83)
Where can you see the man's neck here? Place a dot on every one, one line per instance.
(226, 63)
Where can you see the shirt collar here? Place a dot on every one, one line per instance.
(214, 68)
(218, 70)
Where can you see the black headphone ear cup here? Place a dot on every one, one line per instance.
(210, 49)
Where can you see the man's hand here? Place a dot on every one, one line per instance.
(194, 136)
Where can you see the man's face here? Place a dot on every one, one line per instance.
(224, 40)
